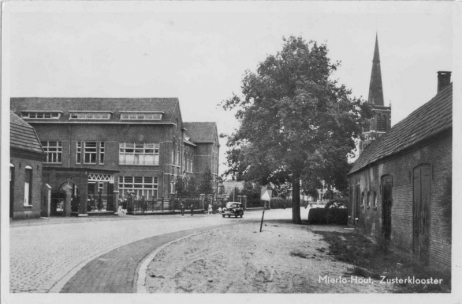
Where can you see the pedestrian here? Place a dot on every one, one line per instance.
(100, 200)
(182, 208)
(120, 204)
(192, 209)
(210, 209)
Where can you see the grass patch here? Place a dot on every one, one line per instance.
(356, 249)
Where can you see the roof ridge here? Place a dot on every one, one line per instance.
(429, 119)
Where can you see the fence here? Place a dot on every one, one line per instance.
(161, 205)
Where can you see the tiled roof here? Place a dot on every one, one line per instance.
(201, 132)
(116, 105)
(430, 119)
(23, 136)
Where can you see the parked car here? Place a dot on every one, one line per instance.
(233, 208)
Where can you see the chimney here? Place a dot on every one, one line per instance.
(444, 79)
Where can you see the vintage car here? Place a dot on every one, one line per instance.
(233, 208)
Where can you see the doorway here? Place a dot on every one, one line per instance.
(357, 202)
(421, 212)
(387, 199)
(11, 190)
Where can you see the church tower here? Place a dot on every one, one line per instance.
(380, 123)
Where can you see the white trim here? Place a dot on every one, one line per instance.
(28, 167)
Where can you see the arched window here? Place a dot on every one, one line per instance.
(384, 123)
(28, 186)
(368, 198)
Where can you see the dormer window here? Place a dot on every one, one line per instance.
(90, 115)
(41, 115)
(141, 115)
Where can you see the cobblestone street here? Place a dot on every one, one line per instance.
(46, 253)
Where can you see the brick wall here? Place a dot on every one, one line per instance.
(20, 211)
(438, 153)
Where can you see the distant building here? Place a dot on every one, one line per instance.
(110, 147)
(381, 122)
(399, 182)
(26, 159)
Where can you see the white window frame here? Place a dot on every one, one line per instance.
(53, 152)
(141, 154)
(78, 152)
(90, 115)
(148, 186)
(28, 187)
(101, 152)
(40, 115)
(141, 116)
(90, 152)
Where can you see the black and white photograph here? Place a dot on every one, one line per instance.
(230, 151)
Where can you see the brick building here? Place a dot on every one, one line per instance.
(108, 146)
(399, 183)
(26, 160)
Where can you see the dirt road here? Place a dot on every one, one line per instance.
(284, 258)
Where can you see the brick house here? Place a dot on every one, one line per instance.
(206, 149)
(26, 160)
(113, 146)
(398, 183)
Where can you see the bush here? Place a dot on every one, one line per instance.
(334, 216)
(279, 202)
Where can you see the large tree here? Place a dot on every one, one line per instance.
(296, 122)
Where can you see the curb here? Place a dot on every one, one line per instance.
(139, 285)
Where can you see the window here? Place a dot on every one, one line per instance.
(28, 186)
(96, 115)
(139, 154)
(101, 153)
(90, 152)
(379, 122)
(53, 150)
(146, 186)
(375, 200)
(78, 149)
(41, 115)
(368, 198)
(141, 116)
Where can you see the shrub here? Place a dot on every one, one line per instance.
(279, 202)
(328, 216)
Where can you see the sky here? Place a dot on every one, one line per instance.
(199, 51)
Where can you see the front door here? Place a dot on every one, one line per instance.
(357, 202)
(386, 206)
(421, 212)
(11, 191)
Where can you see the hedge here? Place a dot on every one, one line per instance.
(336, 216)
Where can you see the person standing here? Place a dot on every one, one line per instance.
(210, 209)
(182, 208)
(192, 209)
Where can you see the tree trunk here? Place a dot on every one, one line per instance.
(296, 201)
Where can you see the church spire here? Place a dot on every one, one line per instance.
(375, 87)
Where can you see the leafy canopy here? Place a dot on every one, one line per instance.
(296, 123)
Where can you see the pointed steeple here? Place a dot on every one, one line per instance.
(375, 87)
